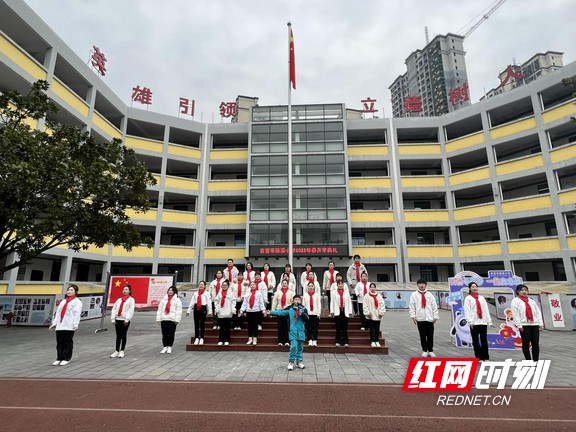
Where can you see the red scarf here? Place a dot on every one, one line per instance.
(239, 288)
(357, 271)
(296, 314)
(478, 305)
(217, 286)
(199, 299)
(365, 288)
(423, 294)
(248, 276)
(168, 303)
(529, 314)
(266, 277)
(311, 300)
(375, 297)
(124, 298)
(66, 301)
(252, 297)
(331, 271)
(284, 291)
(223, 300)
(230, 273)
(341, 292)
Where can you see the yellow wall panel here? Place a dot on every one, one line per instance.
(181, 252)
(470, 176)
(375, 252)
(181, 183)
(184, 151)
(484, 249)
(423, 181)
(567, 198)
(3, 288)
(38, 289)
(371, 216)
(468, 141)
(370, 183)
(227, 185)
(516, 127)
(144, 144)
(69, 97)
(475, 212)
(150, 215)
(226, 219)
(413, 149)
(524, 164)
(571, 242)
(106, 126)
(565, 110)
(520, 205)
(533, 246)
(137, 252)
(224, 253)
(228, 154)
(179, 216)
(21, 59)
(377, 150)
(439, 251)
(564, 153)
(426, 215)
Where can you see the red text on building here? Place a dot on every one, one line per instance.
(228, 109)
(98, 60)
(142, 95)
(459, 94)
(413, 104)
(187, 106)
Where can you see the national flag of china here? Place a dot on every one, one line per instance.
(292, 62)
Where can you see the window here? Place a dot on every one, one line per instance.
(318, 169)
(268, 204)
(321, 234)
(525, 235)
(425, 238)
(240, 240)
(268, 234)
(358, 240)
(422, 205)
(269, 170)
(319, 203)
(551, 229)
(543, 188)
(177, 240)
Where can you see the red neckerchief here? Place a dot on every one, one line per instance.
(239, 288)
(217, 286)
(168, 303)
(529, 314)
(266, 277)
(296, 314)
(357, 271)
(375, 297)
(230, 273)
(365, 287)
(478, 305)
(331, 271)
(311, 294)
(341, 292)
(248, 276)
(66, 301)
(252, 297)
(223, 300)
(423, 294)
(284, 291)
(199, 300)
(124, 298)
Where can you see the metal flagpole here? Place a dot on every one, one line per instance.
(290, 221)
(104, 305)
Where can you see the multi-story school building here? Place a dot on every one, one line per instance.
(489, 186)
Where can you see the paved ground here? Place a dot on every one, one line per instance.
(28, 352)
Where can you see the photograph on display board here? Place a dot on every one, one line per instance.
(26, 310)
(396, 299)
(572, 300)
(147, 291)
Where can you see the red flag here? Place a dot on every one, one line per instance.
(292, 61)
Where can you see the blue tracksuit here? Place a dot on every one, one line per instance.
(297, 330)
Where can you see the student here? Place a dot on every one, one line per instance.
(298, 315)
(353, 275)
(225, 309)
(528, 318)
(374, 309)
(478, 318)
(249, 273)
(281, 300)
(305, 277)
(424, 312)
(239, 288)
(312, 301)
(270, 281)
(215, 287)
(341, 309)
(360, 290)
(230, 272)
(263, 288)
(66, 320)
(329, 279)
(122, 313)
(201, 303)
(292, 278)
(168, 316)
(253, 306)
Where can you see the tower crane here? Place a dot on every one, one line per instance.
(483, 17)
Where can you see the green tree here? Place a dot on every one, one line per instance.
(570, 82)
(61, 186)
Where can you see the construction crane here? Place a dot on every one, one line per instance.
(483, 17)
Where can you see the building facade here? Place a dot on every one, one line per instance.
(437, 76)
(489, 186)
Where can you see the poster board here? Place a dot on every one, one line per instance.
(147, 290)
(27, 310)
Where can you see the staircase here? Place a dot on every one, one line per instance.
(359, 340)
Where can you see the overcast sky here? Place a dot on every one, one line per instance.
(346, 51)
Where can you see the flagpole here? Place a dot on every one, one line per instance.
(290, 219)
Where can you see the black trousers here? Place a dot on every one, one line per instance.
(480, 341)
(121, 327)
(426, 330)
(238, 321)
(224, 332)
(64, 344)
(269, 305)
(531, 335)
(374, 326)
(168, 331)
(363, 320)
(253, 318)
(354, 299)
(341, 322)
(200, 322)
(215, 321)
(312, 327)
(283, 329)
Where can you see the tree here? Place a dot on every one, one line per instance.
(570, 82)
(61, 186)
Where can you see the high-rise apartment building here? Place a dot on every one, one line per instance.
(435, 81)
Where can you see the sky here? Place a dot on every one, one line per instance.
(346, 51)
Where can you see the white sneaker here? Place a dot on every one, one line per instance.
(424, 353)
(315, 343)
(164, 350)
(220, 343)
(249, 341)
(196, 341)
(287, 344)
(310, 343)
(254, 341)
(362, 328)
(259, 327)
(280, 344)
(169, 350)
(201, 342)
(114, 354)
(121, 354)
(290, 366)
(300, 365)
(215, 328)
(346, 345)
(56, 363)
(226, 343)
(337, 344)
(64, 362)
(373, 344)
(431, 354)
(378, 344)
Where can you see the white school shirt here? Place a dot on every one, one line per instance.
(471, 312)
(127, 310)
(206, 301)
(519, 313)
(71, 317)
(429, 313)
